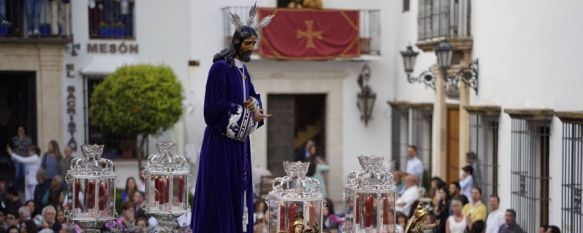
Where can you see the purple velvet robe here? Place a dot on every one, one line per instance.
(225, 160)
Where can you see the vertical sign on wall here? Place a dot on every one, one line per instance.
(71, 126)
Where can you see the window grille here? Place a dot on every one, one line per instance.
(572, 178)
(483, 154)
(530, 170)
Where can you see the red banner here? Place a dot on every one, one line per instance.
(305, 34)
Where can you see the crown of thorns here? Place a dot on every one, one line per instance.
(236, 20)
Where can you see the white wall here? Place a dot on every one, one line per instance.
(529, 59)
(163, 38)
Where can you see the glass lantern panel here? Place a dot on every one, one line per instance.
(152, 191)
(89, 198)
(178, 192)
(388, 212)
(366, 210)
(162, 188)
(111, 198)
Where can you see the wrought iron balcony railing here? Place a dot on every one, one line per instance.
(35, 19)
(370, 28)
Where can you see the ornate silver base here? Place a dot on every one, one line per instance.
(91, 227)
(166, 223)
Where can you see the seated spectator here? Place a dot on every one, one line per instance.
(510, 225)
(13, 200)
(331, 220)
(49, 223)
(3, 225)
(13, 229)
(40, 190)
(455, 192)
(401, 219)
(410, 195)
(142, 223)
(28, 227)
(12, 219)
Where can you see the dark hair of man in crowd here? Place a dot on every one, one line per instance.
(457, 185)
(495, 196)
(469, 169)
(413, 147)
(554, 229)
(477, 188)
(513, 213)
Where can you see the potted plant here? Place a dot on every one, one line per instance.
(104, 30)
(4, 28)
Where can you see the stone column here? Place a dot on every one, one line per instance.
(49, 94)
(464, 118)
(439, 127)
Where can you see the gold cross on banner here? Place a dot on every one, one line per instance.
(310, 34)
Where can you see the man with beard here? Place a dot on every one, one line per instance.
(223, 201)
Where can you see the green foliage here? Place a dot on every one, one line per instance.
(137, 99)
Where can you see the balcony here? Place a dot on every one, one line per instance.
(20, 23)
(111, 19)
(370, 30)
(440, 20)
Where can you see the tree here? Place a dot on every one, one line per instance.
(137, 100)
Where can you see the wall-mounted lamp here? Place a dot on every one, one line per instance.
(444, 52)
(366, 97)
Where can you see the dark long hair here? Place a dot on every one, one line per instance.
(239, 36)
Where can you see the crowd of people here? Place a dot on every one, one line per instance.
(456, 207)
(32, 199)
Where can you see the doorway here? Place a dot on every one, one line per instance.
(17, 108)
(296, 119)
(453, 142)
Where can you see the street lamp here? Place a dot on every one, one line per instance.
(426, 77)
(409, 57)
(444, 53)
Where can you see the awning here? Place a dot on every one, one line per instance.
(104, 65)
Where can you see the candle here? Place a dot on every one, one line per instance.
(180, 188)
(76, 191)
(102, 195)
(292, 215)
(90, 194)
(312, 214)
(282, 217)
(157, 188)
(385, 210)
(163, 190)
(357, 210)
(368, 211)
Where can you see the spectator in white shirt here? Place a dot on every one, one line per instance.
(496, 215)
(467, 181)
(31, 164)
(414, 164)
(410, 195)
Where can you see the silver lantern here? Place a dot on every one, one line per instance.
(370, 198)
(92, 182)
(167, 177)
(295, 204)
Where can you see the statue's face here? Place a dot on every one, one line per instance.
(247, 47)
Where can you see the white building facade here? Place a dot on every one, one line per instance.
(522, 122)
